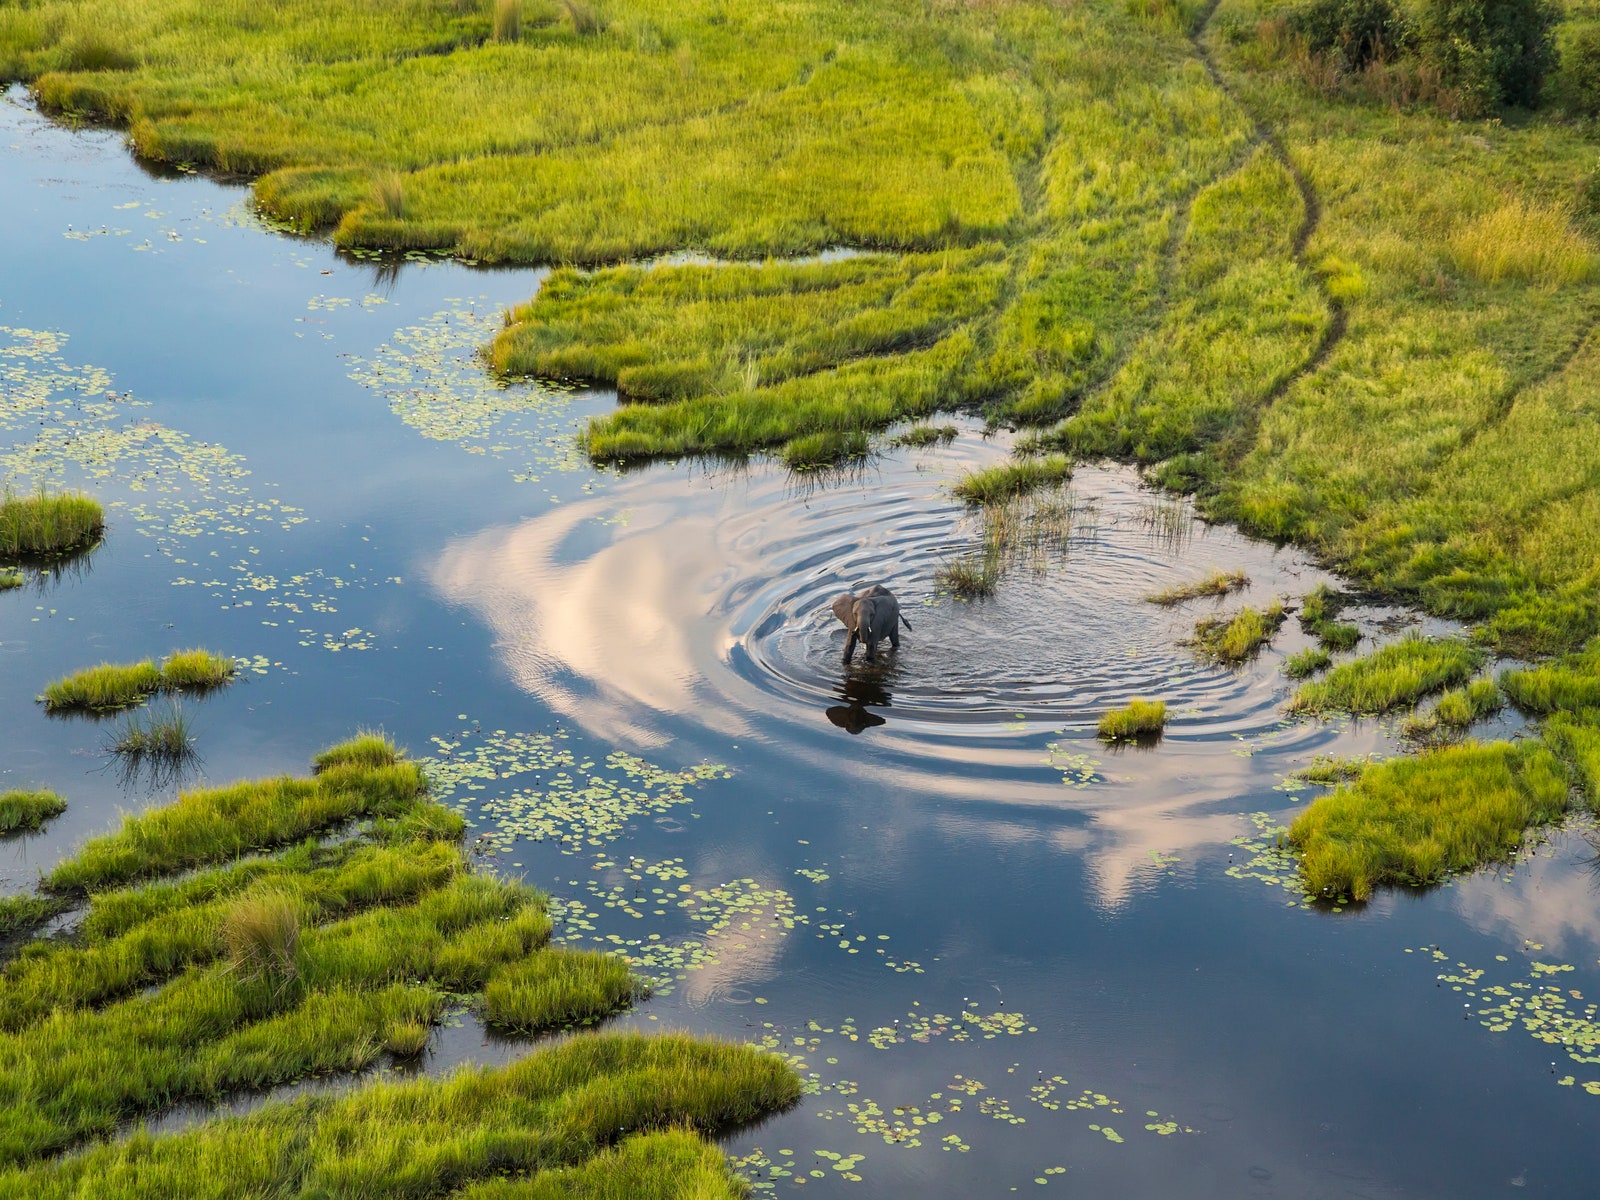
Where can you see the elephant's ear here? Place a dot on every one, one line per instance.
(842, 606)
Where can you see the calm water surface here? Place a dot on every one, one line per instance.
(1007, 956)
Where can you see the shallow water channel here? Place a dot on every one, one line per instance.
(1008, 956)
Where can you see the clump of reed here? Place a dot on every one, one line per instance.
(1005, 480)
(557, 987)
(1307, 662)
(1234, 639)
(1217, 583)
(1328, 769)
(26, 812)
(1415, 820)
(1319, 616)
(110, 686)
(825, 448)
(586, 22)
(926, 435)
(1021, 530)
(367, 751)
(261, 936)
(1141, 720)
(11, 577)
(1391, 677)
(157, 737)
(45, 526)
(1577, 741)
(1558, 687)
(407, 1039)
(507, 20)
(1524, 240)
(1454, 712)
(389, 194)
(972, 576)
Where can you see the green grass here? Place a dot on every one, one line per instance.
(1327, 769)
(1141, 719)
(920, 436)
(11, 577)
(1305, 663)
(368, 750)
(549, 1119)
(45, 526)
(26, 812)
(557, 987)
(184, 984)
(997, 484)
(163, 737)
(112, 686)
(1577, 741)
(1319, 616)
(971, 576)
(1217, 583)
(1571, 685)
(1391, 677)
(1237, 638)
(1455, 712)
(1415, 820)
(814, 451)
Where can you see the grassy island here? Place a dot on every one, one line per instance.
(121, 685)
(1140, 720)
(225, 943)
(46, 526)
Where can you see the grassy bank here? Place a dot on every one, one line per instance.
(1391, 677)
(26, 812)
(223, 946)
(121, 685)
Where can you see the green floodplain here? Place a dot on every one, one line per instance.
(1316, 263)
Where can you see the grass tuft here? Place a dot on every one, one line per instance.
(1217, 583)
(557, 987)
(44, 526)
(407, 1039)
(1416, 820)
(1391, 677)
(368, 750)
(1327, 769)
(999, 483)
(1524, 241)
(11, 577)
(1239, 637)
(388, 194)
(507, 24)
(927, 435)
(26, 812)
(155, 737)
(112, 686)
(827, 448)
(196, 671)
(971, 577)
(262, 935)
(1141, 720)
(1306, 663)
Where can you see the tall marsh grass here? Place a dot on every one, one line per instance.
(1237, 638)
(110, 686)
(507, 24)
(27, 811)
(45, 526)
(1391, 677)
(1140, 720)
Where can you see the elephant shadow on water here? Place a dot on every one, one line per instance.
(861, 691)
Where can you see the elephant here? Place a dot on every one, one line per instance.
(870, 616)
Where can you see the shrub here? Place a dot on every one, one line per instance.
(1579, 80)
(1352, 32)
(1492, 51)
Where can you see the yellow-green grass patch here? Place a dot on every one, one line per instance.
(1415, 820)
(1236, 638)
(1141, 719)
(26, 811)
(1391, 677)
(557, 986)
(46, 526)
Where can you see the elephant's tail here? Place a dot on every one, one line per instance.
(905, 622)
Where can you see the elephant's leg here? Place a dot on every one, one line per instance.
(850, 647)
(872, 649)
(894, 637)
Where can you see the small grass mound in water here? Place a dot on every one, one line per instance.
(557, 987)
(368, 750)
(157, 737)
(1140, 720)
(927, 435)
(1218, 583)
(1327, 769)
(1577, 741)
(1416, 820)
(1306, 663)
(1239, 637)
(1455, 712)
(1005, 480)
(24, 812)
(1570, 686)
(319, 958)
(813, 451)
(10, 578)
(46, 526)
(1319, 616)
(112, 686)
(1391, 677)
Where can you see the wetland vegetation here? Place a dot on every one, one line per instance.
(226, 942)
(27, 811)
(47, 526)
(1141, 719)
(111, 686)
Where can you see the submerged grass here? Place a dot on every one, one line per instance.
(321, 957)
(1415, 820)
(1237, 638)
(26, 812)
(1305, 663)
(996, 484)
(157, 737)
(45, 526)
(121, 685)
(1141, 719)
(1391, 677)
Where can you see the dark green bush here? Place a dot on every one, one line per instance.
(1580, 76)
(1352, 32)
(1492, 52)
